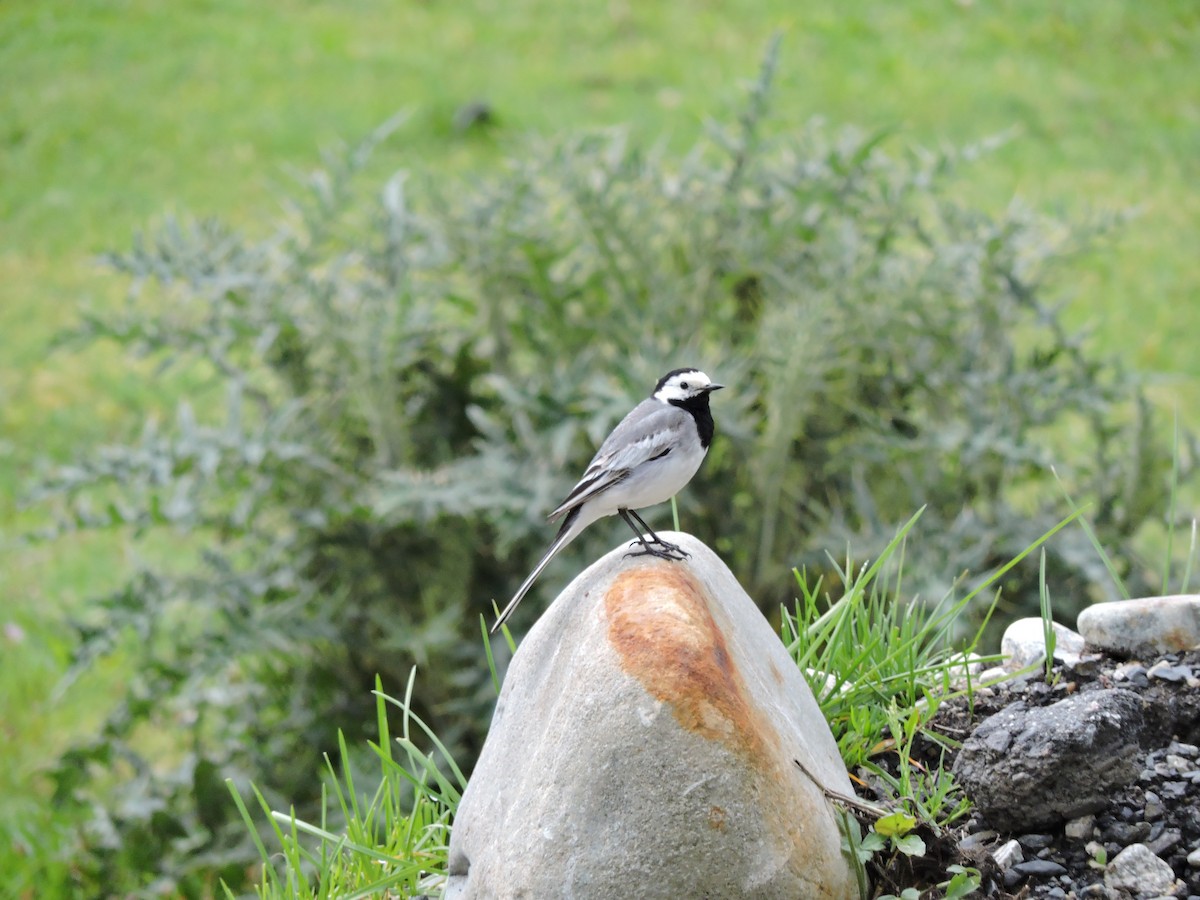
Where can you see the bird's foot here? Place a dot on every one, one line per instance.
(659, 548)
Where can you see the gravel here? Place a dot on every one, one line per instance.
(1152, 819)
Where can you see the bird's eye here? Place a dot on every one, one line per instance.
(684, 385)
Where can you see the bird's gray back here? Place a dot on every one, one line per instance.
(648, 418)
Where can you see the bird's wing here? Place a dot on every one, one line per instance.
(648, 432)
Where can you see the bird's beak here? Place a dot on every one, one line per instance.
(713, 387)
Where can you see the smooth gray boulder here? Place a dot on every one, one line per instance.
(1146, 627)
(643, 746)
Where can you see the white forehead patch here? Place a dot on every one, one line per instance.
(683, 385)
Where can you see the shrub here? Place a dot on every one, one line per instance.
(405, 380)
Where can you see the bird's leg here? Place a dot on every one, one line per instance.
(663, 550)
(673, 549)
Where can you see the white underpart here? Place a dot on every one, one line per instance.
(654, 481)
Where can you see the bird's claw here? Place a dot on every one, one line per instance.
(660, 549)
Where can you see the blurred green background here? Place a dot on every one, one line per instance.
(114, 112)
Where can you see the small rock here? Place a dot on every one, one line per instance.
(966, 671)
(1173, 790)
(1146, 627)
(1193, 858)
(977, 839)
(1126, 833)
(1154, 807)
(1133, 672)
(976, 823)
(1177, 764)
(1136, 869)
(1024, 644)
(1166, 672)
(1081, 828)
(1190, 751)
(824, 684)
(1162, 844)
(1008, 854)
(1041, 868)
(1036, 841)
(994, 675)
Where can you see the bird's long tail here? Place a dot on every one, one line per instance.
(570, 529)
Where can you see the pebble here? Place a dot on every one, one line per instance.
(977, 839)
(1193, 858)
(1078, 829)
(1173, 790)
(1132, 672)
(1024, 644)
(1036, 841)
(1136, 869)
(1145, 627)
(976, 824)
(997, 674)
(1165, 842)
(1154, 807)
(1178, 763)
(1125, 833)
(1008, 854)
(1165, 672)
(966, 671)
(1042, 868)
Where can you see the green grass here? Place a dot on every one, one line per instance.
(394, 839)
(113, 112)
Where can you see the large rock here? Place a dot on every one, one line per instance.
(1146, 627)
(644, 745)
(1029, 768)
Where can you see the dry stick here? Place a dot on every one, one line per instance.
(846, 799)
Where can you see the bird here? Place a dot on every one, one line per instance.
(647, 459)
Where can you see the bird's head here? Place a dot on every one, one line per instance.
(684, 385)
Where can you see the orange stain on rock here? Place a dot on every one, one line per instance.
(665, 637)
(661, 628)
(717, 818)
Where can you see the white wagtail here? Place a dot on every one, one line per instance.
(647, 459)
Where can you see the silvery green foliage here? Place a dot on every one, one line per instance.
(405, 378)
